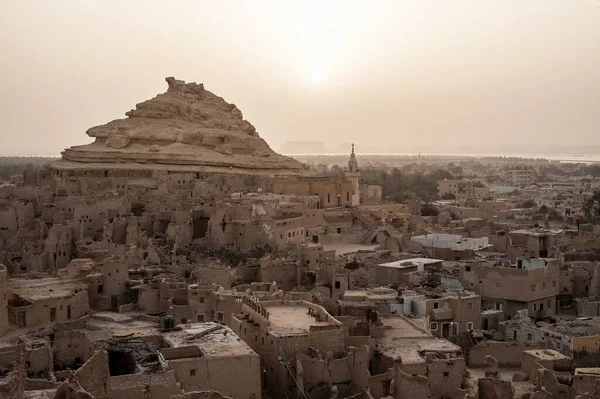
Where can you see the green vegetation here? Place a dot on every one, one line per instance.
(399, 186)
(11, 166)
(591, 207)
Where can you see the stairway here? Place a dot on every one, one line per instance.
(373, 227)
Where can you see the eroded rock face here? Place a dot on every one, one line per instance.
(185, 126)
(117, 140)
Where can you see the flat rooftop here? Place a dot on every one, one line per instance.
(576, 327)
(566, 325)
(546, 354)
(402, 339)
(589, 371)
(213, 340)
(371, 294)
(45, 288)
(536, 232)
(292, 319)
(406, 263)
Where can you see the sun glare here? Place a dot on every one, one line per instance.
(316, 76)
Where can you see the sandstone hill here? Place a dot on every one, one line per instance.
(185, 129)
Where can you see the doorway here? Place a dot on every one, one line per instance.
(21, 321)
(445, 330)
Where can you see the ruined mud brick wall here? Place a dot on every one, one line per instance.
(587, 307)
(411, 386)
(38, 312)
(149, 299)
(3, 299)
(351, 366)
(445, 376)
(145, 386)
(542, 358)
(223, 306)
(70, 348)
(220, 276)
(284, 272)
(585, 379)
(508, 354)
(238, 376)
(326, 338)
(528, 332)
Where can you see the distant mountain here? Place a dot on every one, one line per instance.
(303, 147)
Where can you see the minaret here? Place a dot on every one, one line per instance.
(353, 174)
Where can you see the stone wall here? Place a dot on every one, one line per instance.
(587, 307)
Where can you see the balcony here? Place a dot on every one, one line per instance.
(442, 314)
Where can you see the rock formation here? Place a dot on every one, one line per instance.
(186, 129)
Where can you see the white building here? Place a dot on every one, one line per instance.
(452, 241)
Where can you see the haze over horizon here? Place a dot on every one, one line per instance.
(390, 74)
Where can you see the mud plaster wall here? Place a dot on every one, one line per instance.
(133, 386)
(235, 376)
(508, 354)
(69, 346)
(352, 367)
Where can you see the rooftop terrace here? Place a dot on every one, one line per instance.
(212, 339)
(403, 339)
(45, 288)
(293, 319)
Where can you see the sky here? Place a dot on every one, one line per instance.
(412, 74)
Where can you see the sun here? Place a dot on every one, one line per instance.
(316, 76)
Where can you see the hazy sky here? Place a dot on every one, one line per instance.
(401, 73)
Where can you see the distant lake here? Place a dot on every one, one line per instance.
(569, 158)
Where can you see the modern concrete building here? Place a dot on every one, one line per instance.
(461, 189)
(520, 176)
(530, 284)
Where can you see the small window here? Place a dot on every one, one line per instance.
(436, 305)
(470, 326)
(192, 372)
(446, 374)
(583, 348)
(550, 303)
(337, 284)
(201, 299)
(200, 318)
(529, 337)
(469, 305)
(543, 286)
(433, 326)
(554, 283)
(100, 288)
(220, 316)
(532, 287)
(468, 268)
(52, 314)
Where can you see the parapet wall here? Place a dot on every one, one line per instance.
(318, 312)
(508, 354)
